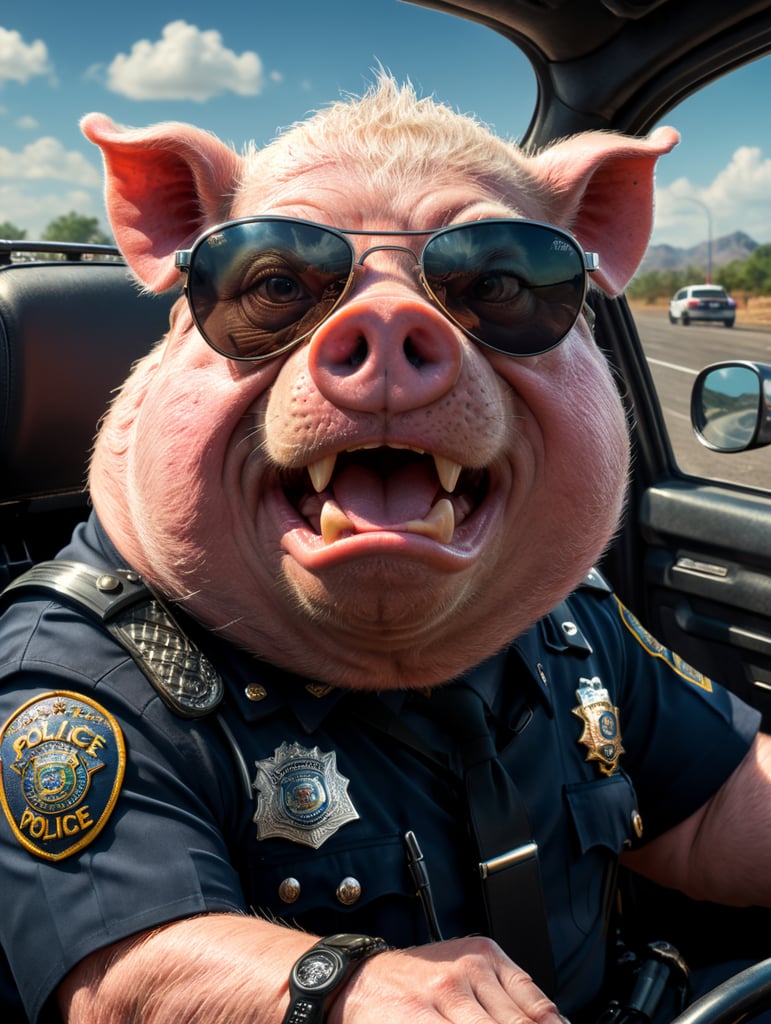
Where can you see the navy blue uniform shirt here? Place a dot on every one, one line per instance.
(292, 799)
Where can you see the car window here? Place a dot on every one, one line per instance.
(708, 293)
(712, 227)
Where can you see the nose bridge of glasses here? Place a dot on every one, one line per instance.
(379, 248)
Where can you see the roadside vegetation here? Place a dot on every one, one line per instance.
(71, 227)
(743, 279)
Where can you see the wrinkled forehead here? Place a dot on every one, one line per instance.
(347, 197)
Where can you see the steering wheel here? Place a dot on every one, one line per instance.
(734, 1000)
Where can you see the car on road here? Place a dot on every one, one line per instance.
(708, 302)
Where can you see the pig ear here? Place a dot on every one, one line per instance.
(164, 184)
(602, 185)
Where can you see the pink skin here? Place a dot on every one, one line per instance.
(186, 472)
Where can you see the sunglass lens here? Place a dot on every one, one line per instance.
(515, 286)
(258, 287)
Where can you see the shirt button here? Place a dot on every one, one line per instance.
(289, 890)
(255, 691)
(349, 891)
(637, 823)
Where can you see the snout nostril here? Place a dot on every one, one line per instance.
(412, 353)
(359, 353)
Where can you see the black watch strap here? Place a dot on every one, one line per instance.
(321, 972)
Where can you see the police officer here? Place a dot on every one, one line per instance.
(298, 726)
(152, 772)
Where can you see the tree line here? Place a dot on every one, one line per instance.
(71, 227)
(742, 277)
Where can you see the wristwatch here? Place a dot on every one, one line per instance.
(321, 972)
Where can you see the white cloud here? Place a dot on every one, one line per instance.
(27, 123)
(737, 199)
(32, 209)
(185, 63)
(20, 61)
(47, 159)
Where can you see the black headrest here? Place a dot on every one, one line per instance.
(69, 332)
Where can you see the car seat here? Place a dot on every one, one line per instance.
(72, 322)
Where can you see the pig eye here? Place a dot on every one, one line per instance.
(494, 288)
(276, 297)
(279, 290)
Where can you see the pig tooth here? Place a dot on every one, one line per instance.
(334, 523)
(448, 471)
(438, 524)
(321, 471)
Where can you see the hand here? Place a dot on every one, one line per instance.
(465, 981)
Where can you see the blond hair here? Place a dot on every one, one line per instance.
(395, 135)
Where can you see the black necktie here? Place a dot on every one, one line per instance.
(508, 857)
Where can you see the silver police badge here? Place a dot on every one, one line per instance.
(301, 796)
(601, 734)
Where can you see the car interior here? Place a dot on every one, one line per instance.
(72, 321)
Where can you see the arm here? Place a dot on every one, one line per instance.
(224, 969)
(722, 851)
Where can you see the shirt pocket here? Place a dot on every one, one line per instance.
(363, 887)
(602, 812)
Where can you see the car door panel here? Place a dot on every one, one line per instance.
(707, 572)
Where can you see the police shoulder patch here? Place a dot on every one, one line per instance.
(62, 760)
(658, 650)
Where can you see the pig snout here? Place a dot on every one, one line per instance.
(390, 355)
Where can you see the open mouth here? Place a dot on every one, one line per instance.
(385, 488)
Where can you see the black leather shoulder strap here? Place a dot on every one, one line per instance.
(121, 602)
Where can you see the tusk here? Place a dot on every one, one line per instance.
(448, 471)
(321, 472)
(334, 523)
(439, 524)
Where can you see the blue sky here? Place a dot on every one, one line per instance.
(271, 62)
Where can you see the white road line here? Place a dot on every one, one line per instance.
(674, 366)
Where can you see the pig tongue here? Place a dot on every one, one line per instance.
(369, 499)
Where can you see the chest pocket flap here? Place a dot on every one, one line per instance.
(604, 812)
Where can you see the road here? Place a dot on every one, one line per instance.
(675, 355)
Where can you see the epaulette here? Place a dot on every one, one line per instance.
(560, 630)
(120, 600)
(594, 580)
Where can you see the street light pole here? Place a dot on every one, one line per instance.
(707, 210)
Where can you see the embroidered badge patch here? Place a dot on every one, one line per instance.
(601, 735)
(301, 796)
(658, 650)
(62, 759)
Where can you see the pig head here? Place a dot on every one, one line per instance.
(388, 503)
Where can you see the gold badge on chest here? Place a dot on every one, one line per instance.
(301, 796)
(602, 734)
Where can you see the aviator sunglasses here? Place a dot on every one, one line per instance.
(258, 286)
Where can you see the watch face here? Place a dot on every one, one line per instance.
(316, 968)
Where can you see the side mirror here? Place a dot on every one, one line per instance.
(730, 410)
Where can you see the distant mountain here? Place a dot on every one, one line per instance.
(737, 246)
